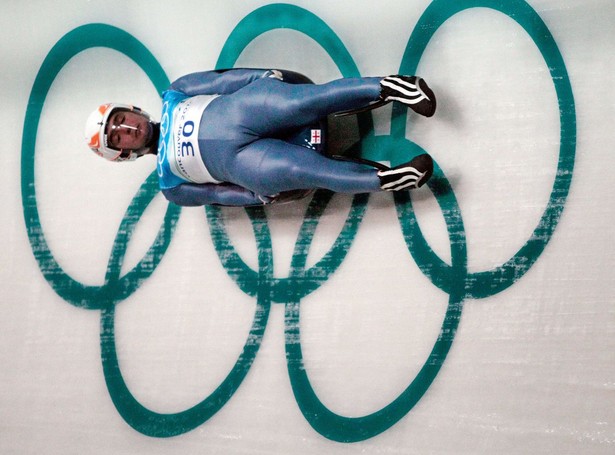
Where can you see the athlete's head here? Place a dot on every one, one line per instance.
(119, 132)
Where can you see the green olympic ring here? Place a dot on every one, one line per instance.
(70, 290)
(484, 284)
(453, 279)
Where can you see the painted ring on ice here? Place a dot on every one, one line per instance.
(484, 284)
(256, 23)
(161, 425)
(353, 429)
(80, 39)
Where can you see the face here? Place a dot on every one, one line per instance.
(127, 130)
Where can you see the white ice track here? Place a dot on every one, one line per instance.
(532, 366)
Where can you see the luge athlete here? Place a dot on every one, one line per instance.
(229, 137)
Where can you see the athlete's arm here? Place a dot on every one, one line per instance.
(192, 195)
(219, 82)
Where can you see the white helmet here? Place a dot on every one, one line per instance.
(96, 131)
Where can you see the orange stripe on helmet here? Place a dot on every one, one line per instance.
(103, 108)
(94, 141)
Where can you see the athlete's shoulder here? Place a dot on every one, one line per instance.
(171, 95)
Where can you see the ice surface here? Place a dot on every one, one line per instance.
(502, 318)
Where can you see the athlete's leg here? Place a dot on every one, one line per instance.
(269, 166)
(271, 106)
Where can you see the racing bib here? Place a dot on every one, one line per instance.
(185, 157)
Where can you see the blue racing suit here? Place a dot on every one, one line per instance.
(222, 137)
